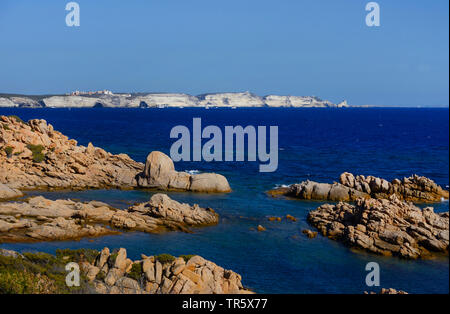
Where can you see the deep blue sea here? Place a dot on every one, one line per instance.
(316, 144)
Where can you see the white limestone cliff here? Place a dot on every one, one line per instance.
(6, 102)
(245, 99)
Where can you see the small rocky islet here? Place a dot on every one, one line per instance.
(33, 155)
(350, 188)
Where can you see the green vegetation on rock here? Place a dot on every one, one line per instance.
(101, 275)
(77, 256)
(136, 272)
(38, 156)
(18, 119)
(112, 258)
(186, 257)
(33, 273)
(165, 258)
(9, 150)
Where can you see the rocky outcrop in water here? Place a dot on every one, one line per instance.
(351, 188)
(40, 219)
(160, 173)
(163, 207)
(114, 273)
(34, 155)
(243, 99)
(388, 227)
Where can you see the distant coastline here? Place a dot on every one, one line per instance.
(163, 100)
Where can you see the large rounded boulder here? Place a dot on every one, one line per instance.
(209, 182)
(160, 173)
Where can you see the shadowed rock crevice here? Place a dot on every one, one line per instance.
(143, 104)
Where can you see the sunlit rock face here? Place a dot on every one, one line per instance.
(231, 100)
(166, 100)
(296, 101)
(34, 155)
(6, 102)
(70, 101)
(41, 219)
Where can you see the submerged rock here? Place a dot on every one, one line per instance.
(311, 234)
(291, 218)
(261, 228)
(389, 227)
(351, 188)
(160, 173)
(40, 219)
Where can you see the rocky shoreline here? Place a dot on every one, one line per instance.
(382, 218)
(40, 219)
(161, 275)
(112, 272)
(35, 156)
(350, 188)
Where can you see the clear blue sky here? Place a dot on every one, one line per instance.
(311, 47)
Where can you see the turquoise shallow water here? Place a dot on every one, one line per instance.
(315, 144)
